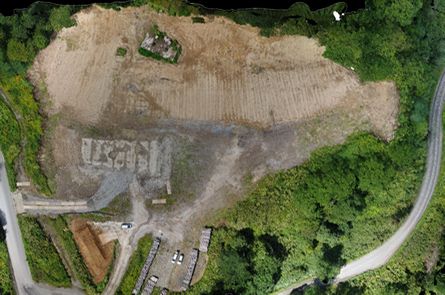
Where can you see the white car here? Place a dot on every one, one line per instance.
(181, 258)
(127, 225)
(175, 256)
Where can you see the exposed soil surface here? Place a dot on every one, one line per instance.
(225, 72)
(97, 255)
(236, 104)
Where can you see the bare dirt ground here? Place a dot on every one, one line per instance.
(225, 72)
(235, 104)
(97, 255)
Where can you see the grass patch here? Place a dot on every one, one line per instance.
(80, 268)
(137, 261)
(120, 204)
(43, 259)
(10, 137)
(118, 208)
(121, 52)
(198, 20)
(6, 283)
(96, 216)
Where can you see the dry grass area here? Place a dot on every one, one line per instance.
(98, 256)
(226, 72)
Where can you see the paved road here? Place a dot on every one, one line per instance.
(370, 261)
(22, 274)
(386, 251)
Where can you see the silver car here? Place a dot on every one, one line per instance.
(175, 256)
(181, 258)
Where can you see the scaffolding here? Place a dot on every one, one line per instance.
(205, 239)
(190, 270)
(149, 286)
(146, 267)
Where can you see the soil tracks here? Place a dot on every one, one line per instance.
(226, 72)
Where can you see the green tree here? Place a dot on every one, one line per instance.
(234, 271)
(60, 18)
(18, 51)
(40, 41)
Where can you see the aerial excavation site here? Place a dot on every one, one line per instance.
(159, 147)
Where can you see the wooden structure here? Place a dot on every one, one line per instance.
(149, 286)
(190, 270)
(205, 239)
(146, 267)
(169, 188)
(159, 201)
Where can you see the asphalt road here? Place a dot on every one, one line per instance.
(370, 261)
(13, 236)
(16, 249)
(381, 255)
(386, 251)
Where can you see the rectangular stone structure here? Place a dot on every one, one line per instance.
(159, 201)
(146, 267)
(149, 286)
(190, 270)
(169, 188)
(205, 239)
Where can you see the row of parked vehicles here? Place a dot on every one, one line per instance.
(175, 256)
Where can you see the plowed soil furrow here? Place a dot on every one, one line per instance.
(226, 72)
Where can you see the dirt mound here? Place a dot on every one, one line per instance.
(226, 72)
(98, 256)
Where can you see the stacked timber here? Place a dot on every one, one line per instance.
(164, 291)
(169, 188)
(149, 287)
(205, 239)
(190, 270)
(146, 267)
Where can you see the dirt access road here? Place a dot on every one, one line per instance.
(386, 251)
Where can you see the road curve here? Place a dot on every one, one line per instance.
(381, 255)
(386, 251)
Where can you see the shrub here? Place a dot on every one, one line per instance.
(137, 261)
(80, 268)
(121, 51)
(43, 259)
(198, 20)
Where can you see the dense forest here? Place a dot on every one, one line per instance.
(343, 202)
(22, 35)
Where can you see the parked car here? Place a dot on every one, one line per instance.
(175, 256)
(181, 258)
(127, 225)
